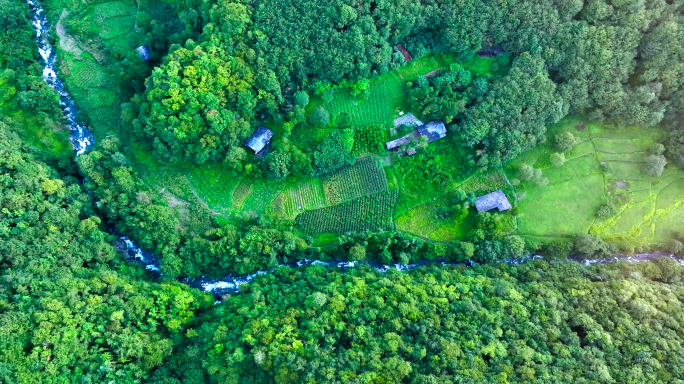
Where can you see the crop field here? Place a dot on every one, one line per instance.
(363, 178)
(302, 195)
(373, 212)
(263, 193)
(92, 91)
(606, 163)
(84, 68)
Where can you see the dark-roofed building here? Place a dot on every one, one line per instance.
(408, 120)
(394, 144)
(434, 130)
(259, 140)
(144, 53)
(496, 199)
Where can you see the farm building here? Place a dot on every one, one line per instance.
(433, 130)
(259, 140)
(408, 120)
(490, 52)
(496, 199)
(394, 144)
(144, 53)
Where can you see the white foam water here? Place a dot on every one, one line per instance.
(80, 136)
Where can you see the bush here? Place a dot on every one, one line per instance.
(564, 141)
(301, 98)
(334, 152)
(591, 247)
(675, 246)
(675, 147)
(606, 210)
(656, 149)
(525, 172)
(655, 164)
(557, 159)
(279, 164)
(320, 116)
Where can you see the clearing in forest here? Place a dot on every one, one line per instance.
(604, 166)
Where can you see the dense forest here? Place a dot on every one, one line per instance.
(74, 308)
(532, 323)
(613, 60)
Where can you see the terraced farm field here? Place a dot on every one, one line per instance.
(605, 164)
(303, 195)
(363, 178)
(386, 98)
(373, 212)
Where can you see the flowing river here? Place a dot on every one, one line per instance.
(82, 139)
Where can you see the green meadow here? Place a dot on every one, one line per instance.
(605, 164)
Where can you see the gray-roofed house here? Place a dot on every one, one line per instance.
(434, 130)
(496, 199)
(144, 53)
(408, 120)
(259, 140)
(394, 144)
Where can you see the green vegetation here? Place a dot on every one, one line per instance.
(536, 322)
(371, 212)
(26, 102)
(170, 171)
(363, 178)
(603, 169)
(67, 295)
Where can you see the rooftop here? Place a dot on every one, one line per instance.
(259, 139)
(496, 199)
(434, 130)
(408, 120)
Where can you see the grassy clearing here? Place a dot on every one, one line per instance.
(424, 222)
(263, 193)
(605, 165)
(416, 189)
(215, 185)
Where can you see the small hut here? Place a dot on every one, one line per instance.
(259, 140)
(144, 53)
(496, 199)
(394, 144)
